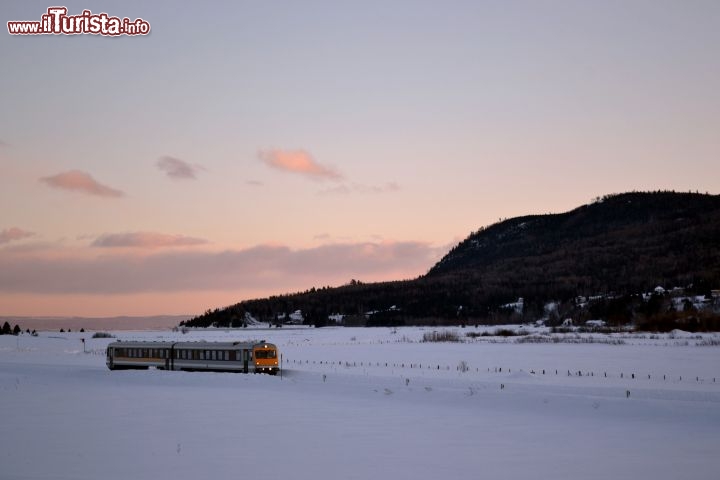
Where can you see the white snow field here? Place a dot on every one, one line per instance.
(339, 412)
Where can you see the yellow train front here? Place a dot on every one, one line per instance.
(265, 357)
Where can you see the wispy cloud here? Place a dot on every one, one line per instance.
(78, 181)
(346, 189)
(14, 233)
(145, 240)
(178, 169)
(4, 144)
(254, 183)
(272, 268)
(300, 162)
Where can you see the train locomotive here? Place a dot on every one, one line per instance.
(245, 357)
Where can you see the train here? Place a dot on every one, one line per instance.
(244, 357)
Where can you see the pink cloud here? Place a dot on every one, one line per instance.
(14, 233)
(269, 268)
(82, 182)
(145, 240)
(178, 169)
(300, 162)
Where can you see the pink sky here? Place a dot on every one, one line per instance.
(261, 148)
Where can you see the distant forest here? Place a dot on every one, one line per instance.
(593, 262)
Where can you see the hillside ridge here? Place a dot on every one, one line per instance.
(618, 246)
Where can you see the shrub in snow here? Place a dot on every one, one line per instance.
(102, 335)
(444, 336)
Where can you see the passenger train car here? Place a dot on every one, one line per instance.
(246, 357)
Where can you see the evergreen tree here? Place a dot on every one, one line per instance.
(6, 329)
(16, 330)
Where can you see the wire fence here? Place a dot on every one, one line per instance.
(463, 367)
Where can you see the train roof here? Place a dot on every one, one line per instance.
(133, 344)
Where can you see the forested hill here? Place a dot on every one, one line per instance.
(620, 243)
(617, 246)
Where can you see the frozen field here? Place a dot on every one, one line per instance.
(367, 403)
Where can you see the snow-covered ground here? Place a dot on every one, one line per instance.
(367, 403)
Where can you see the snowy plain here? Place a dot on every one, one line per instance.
(361, 403)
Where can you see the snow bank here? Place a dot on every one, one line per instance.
(340, 412)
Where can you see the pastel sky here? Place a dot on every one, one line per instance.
(248, 148)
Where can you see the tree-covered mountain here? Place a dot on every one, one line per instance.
(611, 250)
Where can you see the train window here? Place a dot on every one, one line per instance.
(265, 354)
(227, 355)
